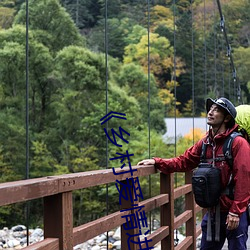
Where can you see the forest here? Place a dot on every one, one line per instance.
(65, 64)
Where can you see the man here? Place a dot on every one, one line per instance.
(221, 115)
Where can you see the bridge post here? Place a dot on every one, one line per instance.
(190, 205)
(126, 204)
(58, 219)
(167, 210)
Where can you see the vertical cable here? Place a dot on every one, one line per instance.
(222, 69)
(235, 88)
(77, 13)
(27, 112)
(192, 77)
(27, 89)
(174, 76)
(175, 95)
(229, 83)
(149, 122)
(223, 79)
(106, 82)
(205, 51)
(215, 51)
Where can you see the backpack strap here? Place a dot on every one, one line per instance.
(203, 152)
(203, 155)
(227, 151)
(227, 148)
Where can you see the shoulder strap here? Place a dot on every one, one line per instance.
(203, 152)
(227, 148)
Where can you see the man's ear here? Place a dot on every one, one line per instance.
(228, 118)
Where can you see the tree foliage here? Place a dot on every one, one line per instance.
(154, 57)
(53, 25)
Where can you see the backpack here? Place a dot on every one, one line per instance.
(243, 120)
(206, 179)
(206, 185)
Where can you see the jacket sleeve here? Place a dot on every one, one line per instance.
(183, 163)
(241, 175)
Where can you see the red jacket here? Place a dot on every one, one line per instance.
(241, 167)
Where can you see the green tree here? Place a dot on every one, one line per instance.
(161, 16)
(42, 162)
(40, 60)
(6, 17)
(12, 113)
(161, 57)
(136, 83)
(81, 99)
(84, 13)
(53, 25)
(117, 31)
(241, 56)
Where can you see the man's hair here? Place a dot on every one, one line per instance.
(231, 122)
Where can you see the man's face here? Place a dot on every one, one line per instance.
(215, 116)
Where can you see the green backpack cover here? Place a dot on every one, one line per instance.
(243, 119)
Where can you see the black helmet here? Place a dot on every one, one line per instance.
(223, 103)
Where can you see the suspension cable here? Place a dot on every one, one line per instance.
(221, 68)
(106, 92)
(175, 95)
(205, 50)
(192, 76)
(27, 208)
(215, 51)
(149, 120)
(174, 75)
(229, 53)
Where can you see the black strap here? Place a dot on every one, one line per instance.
(227, 151)
(203, 152)
(227, 148)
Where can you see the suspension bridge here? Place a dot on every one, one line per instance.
(56, 192)
(59, 233)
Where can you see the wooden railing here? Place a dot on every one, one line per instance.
(59, 232)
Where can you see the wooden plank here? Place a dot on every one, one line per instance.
(155, 202)
(58, 219)
(90, 230)
(198, 209)
(185, 244)
(167, 210)
(182, 218)
(190, 205)
(24, 190)
(128, 203)
(46, 244)
(155, 237)
(99, 177)
(178, 192)
(198, 231)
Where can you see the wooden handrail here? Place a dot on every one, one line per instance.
(56, 191)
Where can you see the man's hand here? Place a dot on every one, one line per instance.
(232, 221)
(146, 162)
